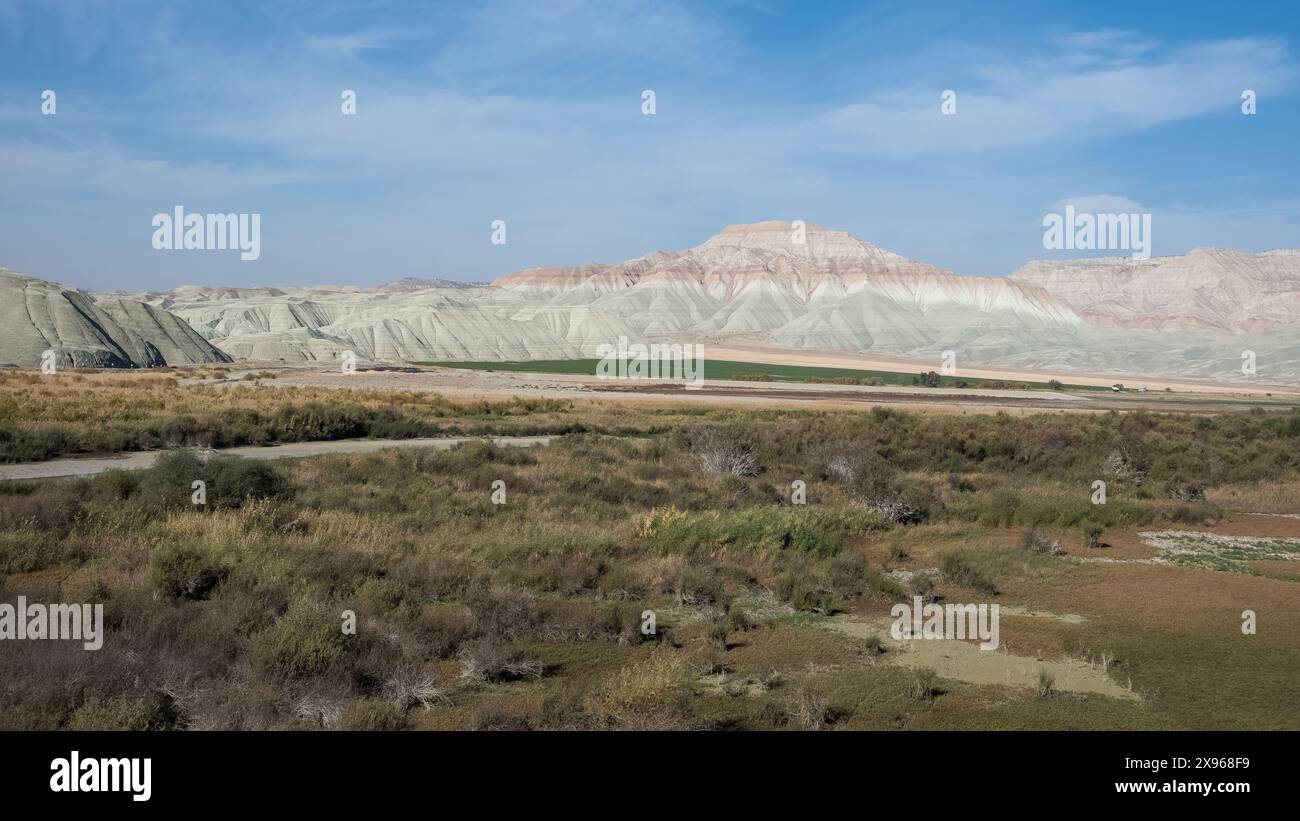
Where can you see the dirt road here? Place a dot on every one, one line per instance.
(89, 466)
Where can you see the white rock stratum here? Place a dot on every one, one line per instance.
(114, 332)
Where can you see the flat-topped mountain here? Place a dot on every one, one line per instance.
(805, 288)
(800, 286)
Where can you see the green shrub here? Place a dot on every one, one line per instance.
(962, 568)
(699, 586)
(803, 588)
(125, 713)
(182, 572)
(235, 481)
(846, 574)
(230, 481)
(307, 640)
(887, 588)
(814, 532)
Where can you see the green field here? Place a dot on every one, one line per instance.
(726, 369)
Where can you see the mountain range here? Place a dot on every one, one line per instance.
(789, 285)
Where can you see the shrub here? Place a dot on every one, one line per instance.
(236, 480)
(1046, 684)
(804, 589)
(442, 629)
(370, 714)
(878, 487)
(125, 713)
(230, 481)
(923, 585)
(1035, 541)
(488, 660)
(810, 709)
(886, 587)
(738, 621)
(1186, 492)
(1128, 462)
(698, 586)
(728, 456)
(924, 684)
(846, 574)
(1092, 534)
(814, 532)
(897, 550)
(718, 632)
(307, 640)
(961, 568)
(504, 613)
(651, 693)
(188, 573)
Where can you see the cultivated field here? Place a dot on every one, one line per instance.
(528, 610)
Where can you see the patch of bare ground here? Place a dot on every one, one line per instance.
(965, 661)
(1278, 568)
(1138, 599)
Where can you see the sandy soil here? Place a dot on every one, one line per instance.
(89, 466)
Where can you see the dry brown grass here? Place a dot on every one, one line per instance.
(108, 397)
(1277, 496)
(646, 694)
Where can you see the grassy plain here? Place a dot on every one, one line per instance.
(530, 613)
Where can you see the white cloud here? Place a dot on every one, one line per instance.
(1014, 104)
(1100, 204)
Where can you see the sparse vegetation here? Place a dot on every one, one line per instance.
(1035, 541)
(923, 686)
(531, 614)
(1046, 684)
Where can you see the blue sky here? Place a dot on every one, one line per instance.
(531, 113)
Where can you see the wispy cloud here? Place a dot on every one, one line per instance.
(1018, 103)
(531, 113)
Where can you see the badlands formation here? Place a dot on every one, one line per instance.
(1189, 316)
(114, 332)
